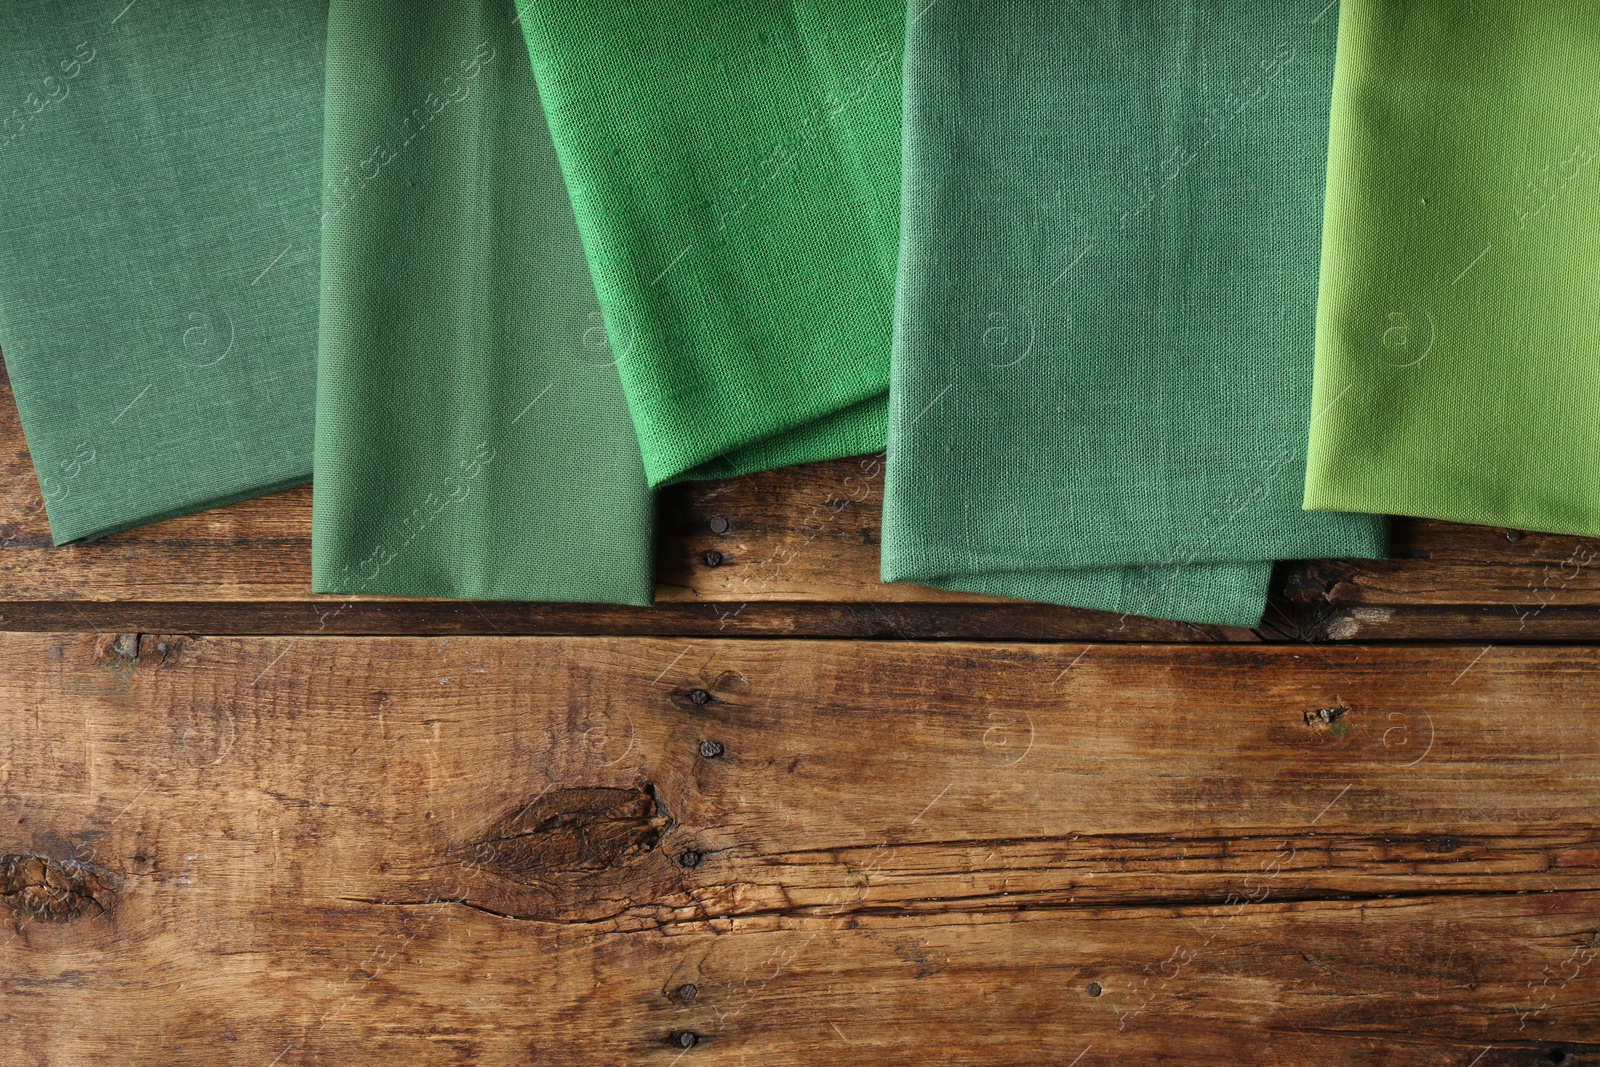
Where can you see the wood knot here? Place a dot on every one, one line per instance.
(1330, 720)
(116, 650)
(571, 830)
(700, 696)
(50, 890)
(1314, 582)
(1326, 716)
(123, 651)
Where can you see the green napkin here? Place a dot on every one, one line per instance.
(734, 167)
(161, 165)
(1458, 334)
(1102, 362)
(472, 436)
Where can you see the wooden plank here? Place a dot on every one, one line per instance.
(731, 551)
(1461, 582)
(521, 850)
(802, 534)
(896, 620)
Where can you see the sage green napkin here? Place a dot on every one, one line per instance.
(160, 174)
(472, 436)
(1458, 336)
(734, 167)
(1102, 363)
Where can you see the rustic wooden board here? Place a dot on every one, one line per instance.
(1471, 582)
(318, 850)
(759, 555)
(803, 534)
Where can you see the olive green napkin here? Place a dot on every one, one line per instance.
(160, 174)
(734, 167)
(1102, 363)
(1458, 335)
(472, 436)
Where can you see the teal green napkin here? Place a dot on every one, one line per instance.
(161, 166)
(734, 167)
(472, 435)
(1458, 342)
(1108, 272)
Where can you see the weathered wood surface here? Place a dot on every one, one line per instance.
(787, 552)
(485, 851)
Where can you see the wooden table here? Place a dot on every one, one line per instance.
(790, 815)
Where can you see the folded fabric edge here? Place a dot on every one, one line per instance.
(1243, 586)
(901, 556)
(856, 430)
(94, 533)
(413, 591)
(1325, 498)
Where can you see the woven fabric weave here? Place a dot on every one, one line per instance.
(161, 166)
(1102, 363)
(1458, 335)
(734, 167)
(472, 435)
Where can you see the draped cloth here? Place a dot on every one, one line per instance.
(1458, 333)
(162, 168)
(734, 168)
(1107, 289)
(472, 436)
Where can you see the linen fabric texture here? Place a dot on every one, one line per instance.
(1107, 291)
(1459, 322)
(162, 171)
(472, 436)
(734, 168)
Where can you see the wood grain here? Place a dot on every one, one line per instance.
(804, 534)
(320, 850)
(788, 552)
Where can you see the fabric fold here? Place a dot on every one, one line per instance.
(472, 436)
(1457, 374)
(734, 168)
(158, 251)
(1106, 304)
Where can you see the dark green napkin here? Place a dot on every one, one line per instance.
(160, 173)
(1107, 295)
(734, 166)
(472, 436)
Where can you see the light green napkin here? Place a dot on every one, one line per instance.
(472, 436)
(160, 174)
(1458, 336)
(1102, 363)
(734, 167)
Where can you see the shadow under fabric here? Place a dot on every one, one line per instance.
(161, 168)
(1458, 339)
(473, 440)
(1104, 332)
(734, 167)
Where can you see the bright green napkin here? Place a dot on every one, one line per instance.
(472, 436)
(1458, 336)
(160, 174)
(734, 167)
(1102, 363)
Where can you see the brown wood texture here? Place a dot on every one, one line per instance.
(783, 553)
(315, 850)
